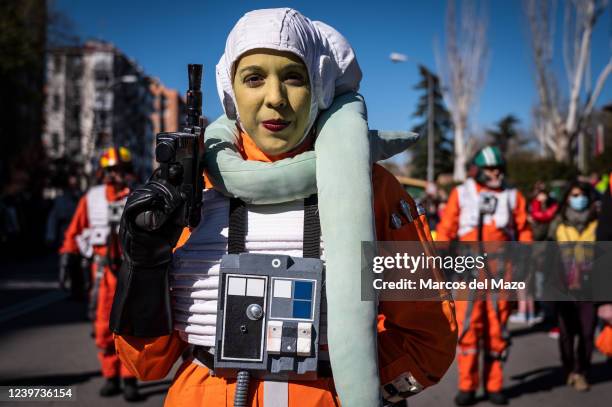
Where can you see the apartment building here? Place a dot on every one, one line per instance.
(97, 97)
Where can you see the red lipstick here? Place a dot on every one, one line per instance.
(275, 125)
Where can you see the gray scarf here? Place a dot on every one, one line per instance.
(577, 219)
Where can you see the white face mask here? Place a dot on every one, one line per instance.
(578, 203)
(495, 183)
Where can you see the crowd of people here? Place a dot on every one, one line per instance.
(577, 211)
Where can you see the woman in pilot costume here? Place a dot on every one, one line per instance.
(293, 146)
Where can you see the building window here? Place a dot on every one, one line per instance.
(101, 77)
(57, 63)
(102, 119)
(56, 103)
(54, 141)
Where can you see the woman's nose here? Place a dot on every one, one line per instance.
(275, 95)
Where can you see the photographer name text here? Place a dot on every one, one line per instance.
(431, 284)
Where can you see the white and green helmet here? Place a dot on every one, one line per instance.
(489, 157)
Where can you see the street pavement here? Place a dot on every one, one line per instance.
(50, 344)
(45, 340)
(533, 377)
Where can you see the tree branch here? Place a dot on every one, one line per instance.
(586, 21)
(601, 80)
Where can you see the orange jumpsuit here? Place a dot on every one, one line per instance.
(604, 341)
(481, 319)
(111, 365)
(419, 337)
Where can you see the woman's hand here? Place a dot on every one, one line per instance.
(149, 231)
(149, 226)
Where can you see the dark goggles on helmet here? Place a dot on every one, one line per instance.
(113, 169)
(494, 167)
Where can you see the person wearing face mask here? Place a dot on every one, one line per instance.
(93, 233)
(483, 209)
(577, 222)
(287, 85)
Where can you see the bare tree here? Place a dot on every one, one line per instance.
(558, 124)
(463, 69)
(61, 30)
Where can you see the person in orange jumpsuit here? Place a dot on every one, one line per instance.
(416, 340)
(93, 233)
(416, 336)
(483, 321)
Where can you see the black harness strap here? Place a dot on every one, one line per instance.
(236, 240)
(312, 228)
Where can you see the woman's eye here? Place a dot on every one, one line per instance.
(253, 81)
(295, 79)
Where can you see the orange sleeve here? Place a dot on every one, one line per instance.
(79, 222)
(152, 358)
(449, 222)
(419, 337)
(149, 358)
(523, 229)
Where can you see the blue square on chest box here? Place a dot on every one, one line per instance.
(302, 309)
(302, 290)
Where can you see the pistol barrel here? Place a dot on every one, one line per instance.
(194, 95)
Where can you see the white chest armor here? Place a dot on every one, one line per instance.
(469, 204)
(98, 213)
(97, 207)
(194, 278)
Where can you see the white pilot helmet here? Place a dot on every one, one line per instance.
(329, 58)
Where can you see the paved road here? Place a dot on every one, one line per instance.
(51, 344)
(533, 377)
(44, 340)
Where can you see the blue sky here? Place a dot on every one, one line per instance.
(164, 36)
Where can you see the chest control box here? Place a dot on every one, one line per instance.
(268, 316)
(115, 210)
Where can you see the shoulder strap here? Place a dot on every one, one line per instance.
(312, 228)
(512, 198)
(236, 238)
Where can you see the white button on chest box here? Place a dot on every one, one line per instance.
(255, 287)
(304, 338)
(274, 335)
(282, 288)
(236, 286)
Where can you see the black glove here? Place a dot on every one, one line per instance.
(149, 231)
(69, 266)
